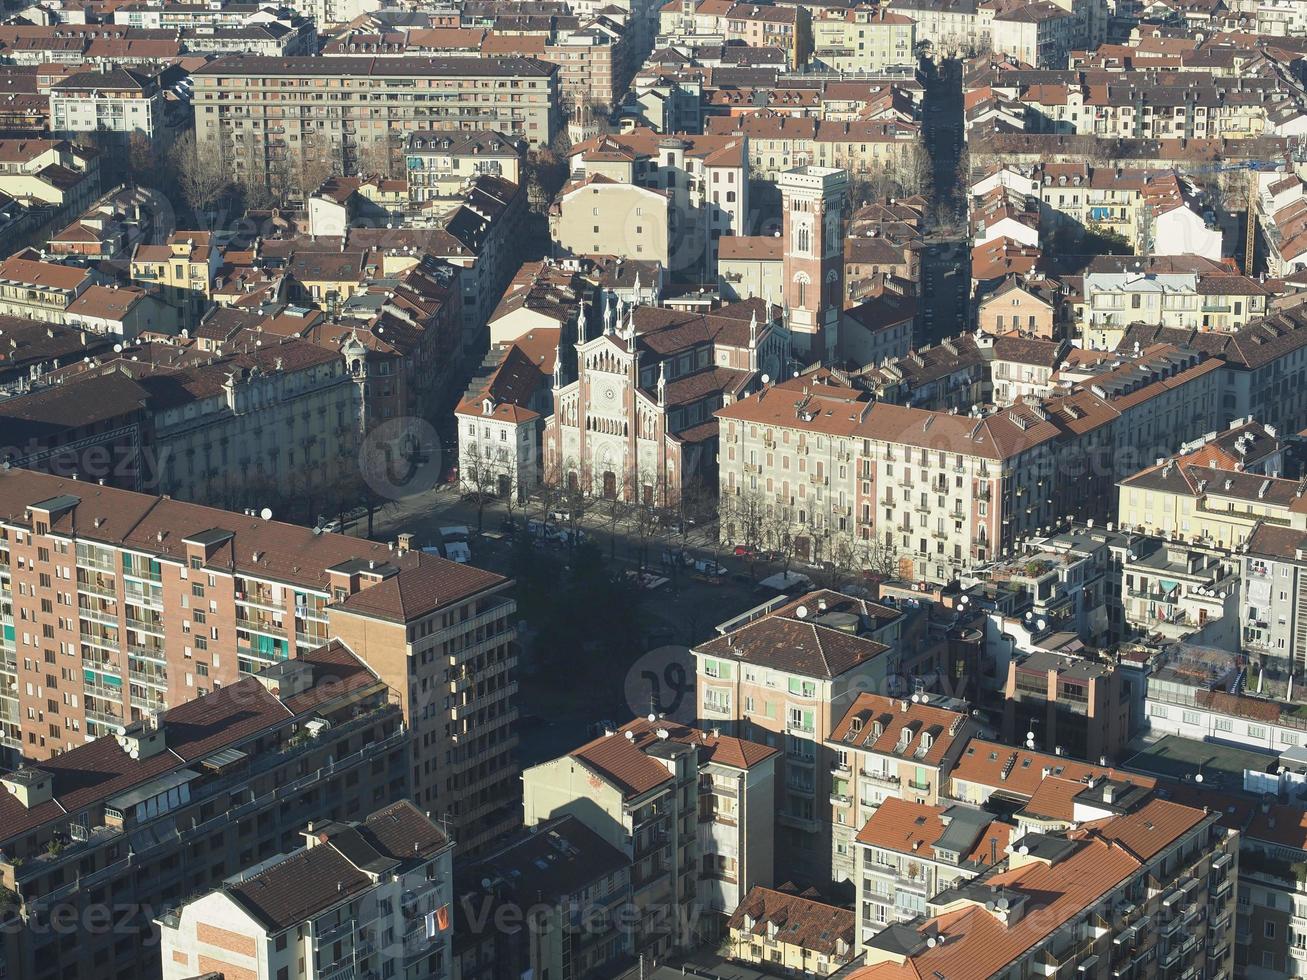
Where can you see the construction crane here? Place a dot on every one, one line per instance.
(1253, 167)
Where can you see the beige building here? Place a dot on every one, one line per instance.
(1039, 33)
(1219, 507)
(1019, 308)
(888, 748)
(750, 265)
(39, 290)
(908, 852)
(784, 932)
(599, 216)
(691, 810)
(368, 895)
(1149, 882)
(182, 270)
(782, 674)
(269, 118)
(705, 180)
(174, 601)
(845, 479)
(863, 38)
(439, 164)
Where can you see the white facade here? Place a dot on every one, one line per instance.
(1182, 231)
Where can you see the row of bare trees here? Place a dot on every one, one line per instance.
(832, 555)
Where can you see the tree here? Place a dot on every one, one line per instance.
(377, 157)
(142, 159)
(201, 178)
(315, 168)
(477, 482)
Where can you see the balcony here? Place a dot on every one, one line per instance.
(879, 778)
(104, 588)
(841, 801)
(841, 769)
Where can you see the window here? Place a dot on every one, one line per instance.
(803, 688)
(716, 668)
(1269, 929)
(1256, 731)
(1190, 717)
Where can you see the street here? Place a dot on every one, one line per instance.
(671, 618)
(946, 259)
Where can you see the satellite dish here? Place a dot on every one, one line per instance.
(801, 612)
(1198, 778)
(1023, 849)
(1041, 624)
(766, 379)
(916, 699)
(266, 513)
(1030, 736)
(117, 348)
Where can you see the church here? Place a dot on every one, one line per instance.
(637, 421)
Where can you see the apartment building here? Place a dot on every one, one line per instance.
(818, 468)
(261, 116)
(182, 271)
(780, 930)
(38, 290)
(784, 26)
(163, 601)
(1146, 104)
(1184, 498)
(781, 674)
(119, 101)
(950, 27)
(778, 142)
(438, 165)
(863, 38)
(703, 179)
(886, 748)
(1177, 591)
(1186, 292)
(1148, 888)
(94, 830)
(908, 852)
(1040, 33)
(690, 810)
(1264, 372)
(577, 884)
(361, 895)
(1074, 705)
(1274, 596)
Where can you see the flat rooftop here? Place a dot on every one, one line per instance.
(1222, 766)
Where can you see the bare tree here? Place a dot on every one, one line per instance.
(315, 168)
(647, 523)
(142, 159)
(377, 157)
(201, 177)
(477, 481)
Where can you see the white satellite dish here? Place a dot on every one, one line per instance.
(801, 612)
(266, 513)
(766, 379)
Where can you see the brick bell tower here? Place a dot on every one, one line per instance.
(812, 201)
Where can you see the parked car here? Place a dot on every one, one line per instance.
(744, 551)
(560, 516)
(708, 569)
